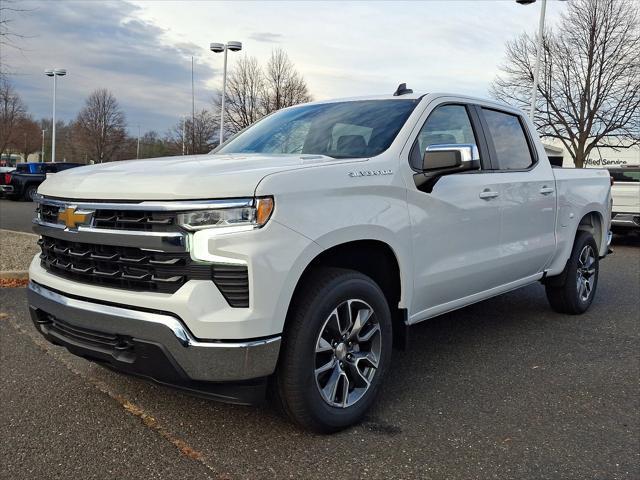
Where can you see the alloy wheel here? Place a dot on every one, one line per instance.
(586, 272)
(347, 353)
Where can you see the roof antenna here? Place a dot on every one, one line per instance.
(402, 90)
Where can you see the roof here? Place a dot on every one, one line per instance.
(417, 96)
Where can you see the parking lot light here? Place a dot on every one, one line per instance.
(54, 72)
(234, 46)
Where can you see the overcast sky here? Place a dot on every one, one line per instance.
(141, 50)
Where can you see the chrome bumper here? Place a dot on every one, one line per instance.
(628, 220)
(209, 361)
(6, 188)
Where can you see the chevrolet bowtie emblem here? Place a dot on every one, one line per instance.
(72, 218)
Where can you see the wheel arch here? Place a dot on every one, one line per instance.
(385, 270)
(593, 223)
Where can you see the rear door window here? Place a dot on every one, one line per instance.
(625, 175)
(509, 140)
(29, 168)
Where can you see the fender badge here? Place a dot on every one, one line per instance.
(369, 173)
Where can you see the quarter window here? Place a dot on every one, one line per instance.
(447, 124)
(509, 140)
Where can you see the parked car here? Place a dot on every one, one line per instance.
(626, 199)
(3, 170)
(23, 182)
(297, 253)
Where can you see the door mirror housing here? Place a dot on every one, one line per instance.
(445, 158)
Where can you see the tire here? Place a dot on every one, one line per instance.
(574, 289)
(303, 394)
(29, 193)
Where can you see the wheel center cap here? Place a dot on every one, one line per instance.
(341, 351)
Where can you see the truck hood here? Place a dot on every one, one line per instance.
(173, 178)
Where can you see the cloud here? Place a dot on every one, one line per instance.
(141, 50)
(266, 37)
(104, 45)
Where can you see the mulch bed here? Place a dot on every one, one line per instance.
(13, 282)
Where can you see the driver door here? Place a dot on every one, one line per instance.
(455, 221)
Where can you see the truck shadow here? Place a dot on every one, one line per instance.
(442, 349)
(498, 347)
(631, 239)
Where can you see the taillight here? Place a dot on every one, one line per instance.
(7, 178)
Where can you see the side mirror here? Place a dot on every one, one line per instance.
(446, 158)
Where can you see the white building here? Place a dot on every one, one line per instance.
(602, 157)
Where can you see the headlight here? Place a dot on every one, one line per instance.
(234, 219)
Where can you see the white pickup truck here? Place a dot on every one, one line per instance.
(625, 194)
(291, 259)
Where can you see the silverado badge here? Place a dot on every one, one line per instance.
(71, 217)
(369, 173)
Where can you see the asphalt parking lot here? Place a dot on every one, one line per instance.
(16, 215)
(502, 389)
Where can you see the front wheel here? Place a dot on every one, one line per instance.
(573, 290)
(336, 349)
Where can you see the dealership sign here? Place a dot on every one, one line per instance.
(604, 162)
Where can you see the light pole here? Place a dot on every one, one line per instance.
(219, 48)
(42, 156)
(138, 147)
(184, 126)
(54, 72)
(536, 69)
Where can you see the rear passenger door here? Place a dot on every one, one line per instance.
(527, 195)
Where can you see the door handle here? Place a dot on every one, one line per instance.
(546, 190)
(487, 194)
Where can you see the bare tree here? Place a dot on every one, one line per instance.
(9, 37)
(283, 85)
(589, 89)
(26, 138)
(12, 110)
(152, 146)
(101, 126)
(199, 136)
(243, 100)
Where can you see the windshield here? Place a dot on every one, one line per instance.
(341, 130)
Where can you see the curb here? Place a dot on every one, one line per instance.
(3, 230)
(14, 275)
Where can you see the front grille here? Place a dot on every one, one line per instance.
(120, 267)
(140, 270)
(48, 213)
(132, 268)
(147, 221)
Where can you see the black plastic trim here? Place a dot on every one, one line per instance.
(142, 358)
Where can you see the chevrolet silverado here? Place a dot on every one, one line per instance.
(289, 261)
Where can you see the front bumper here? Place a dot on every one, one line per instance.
(625, 220)
(151, 344)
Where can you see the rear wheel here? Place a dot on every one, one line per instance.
(573, 290)
(30, 193)
(336, 349)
